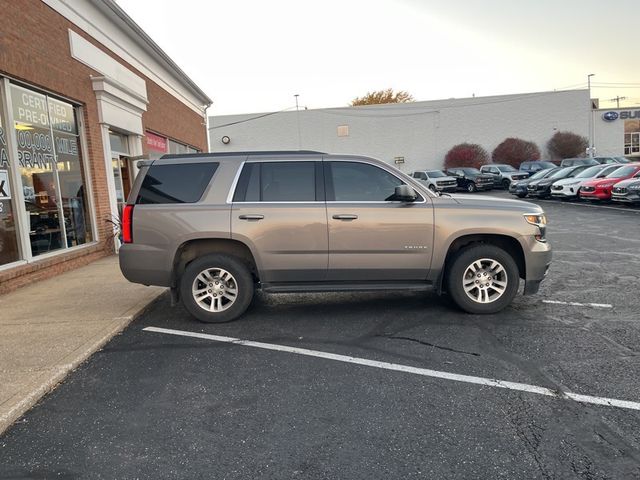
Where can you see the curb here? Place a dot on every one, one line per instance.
(50, 382)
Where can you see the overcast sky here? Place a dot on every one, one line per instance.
(253, 56)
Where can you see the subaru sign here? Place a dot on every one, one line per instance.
(610, 116)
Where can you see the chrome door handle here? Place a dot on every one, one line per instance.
(251, 216)
(345, 217)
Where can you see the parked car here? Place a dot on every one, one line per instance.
(519, 188)
(436, 180)
(627, 191)
(568, 188)
(503, 175)
(534, 166)
(542, 188)
(470, 179)
(610, 160)
(215, 227)
(601, 188)
(570, 162)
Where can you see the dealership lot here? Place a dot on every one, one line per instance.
(160, 405)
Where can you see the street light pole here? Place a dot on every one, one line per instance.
(590, 116)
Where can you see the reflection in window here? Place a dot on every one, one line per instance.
(8, 232)
(53, 177)
(361, 182)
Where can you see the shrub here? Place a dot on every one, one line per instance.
(566, 145)
(514, 151)
(466, 155)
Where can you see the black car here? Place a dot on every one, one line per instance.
(542, 188)
(534, 166)
(519, 188)
(470, 179)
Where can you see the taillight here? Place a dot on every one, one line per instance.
(127, 224)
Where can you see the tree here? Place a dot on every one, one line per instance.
(466, 155)
(566, 145)
(514, 151)
(383, 96)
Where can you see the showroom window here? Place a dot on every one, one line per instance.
(51, 170)
(8, 231)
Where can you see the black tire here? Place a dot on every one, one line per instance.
(242, 280)
(521, 195)
(506, 183)
(455, 276)
(471, 187)
(433, 188)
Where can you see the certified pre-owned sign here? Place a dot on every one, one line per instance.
(5, 193)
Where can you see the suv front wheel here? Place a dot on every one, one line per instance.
(216, 288)
(482, 279)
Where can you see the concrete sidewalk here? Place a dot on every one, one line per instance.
(49, 328)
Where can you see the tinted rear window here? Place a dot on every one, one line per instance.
(277, 182)
(176, 183)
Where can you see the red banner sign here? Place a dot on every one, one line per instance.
(156, 142)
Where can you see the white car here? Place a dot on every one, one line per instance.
(436, 180)
(568, 188)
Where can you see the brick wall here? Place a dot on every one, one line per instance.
(34, 48)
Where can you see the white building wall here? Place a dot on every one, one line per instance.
(421, 132)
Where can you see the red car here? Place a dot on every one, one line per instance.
(600, 188)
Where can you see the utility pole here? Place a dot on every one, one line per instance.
(298, 121)
(617, 100)
(590, 116)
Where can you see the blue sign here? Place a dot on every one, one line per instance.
(610, 116)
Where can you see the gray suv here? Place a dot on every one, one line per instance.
(214, 227)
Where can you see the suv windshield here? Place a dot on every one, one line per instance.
(435, 174)
(507, 168)
(540, 174)
(470, 171)
(622, 172)
(590, 172)
(562, 173)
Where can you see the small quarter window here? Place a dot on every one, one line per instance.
(176, 183)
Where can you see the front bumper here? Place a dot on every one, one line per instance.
(451, 188)
(568, 191)
(596, 195)
(627, 197)
(538, 257)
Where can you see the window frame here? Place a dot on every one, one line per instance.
(21, 214)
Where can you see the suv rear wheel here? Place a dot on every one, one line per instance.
(482, 279)
(216, 288)
(471, 187)
(505, 183)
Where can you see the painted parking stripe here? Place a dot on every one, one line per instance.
(577, 304)
(425, 372)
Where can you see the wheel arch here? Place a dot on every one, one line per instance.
(510, 244)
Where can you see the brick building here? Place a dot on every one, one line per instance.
(83, 93)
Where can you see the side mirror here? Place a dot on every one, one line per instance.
(404, 193)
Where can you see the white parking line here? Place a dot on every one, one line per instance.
(489, 382)
(576, 304)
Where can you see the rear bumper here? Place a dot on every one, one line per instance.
(146, 265)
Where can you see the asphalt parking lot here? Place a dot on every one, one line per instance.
(368, 386)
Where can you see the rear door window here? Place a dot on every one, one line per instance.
(278, 182)
(176, 183)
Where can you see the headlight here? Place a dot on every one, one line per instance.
(540, 221)
(606, 185)
(537, 219)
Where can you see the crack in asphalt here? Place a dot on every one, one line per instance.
(422, 342)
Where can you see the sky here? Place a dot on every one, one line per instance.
(254, 56)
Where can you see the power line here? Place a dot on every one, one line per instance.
(252, 118)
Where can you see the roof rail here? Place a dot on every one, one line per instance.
(255, 152)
